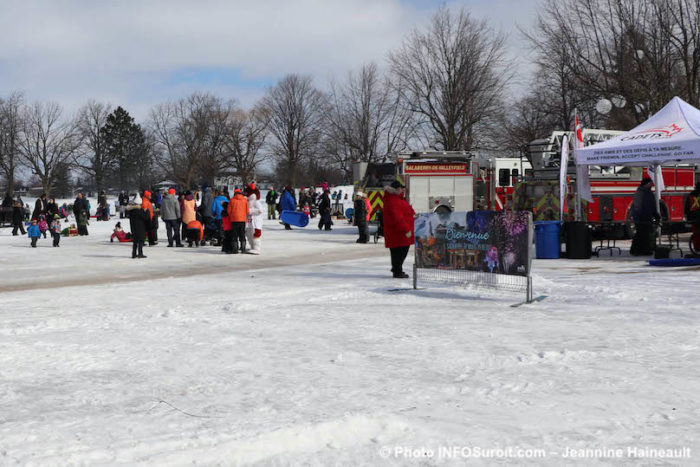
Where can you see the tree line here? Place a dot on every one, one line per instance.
(446, 87)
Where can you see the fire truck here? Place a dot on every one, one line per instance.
(612, 187)
(445, 181)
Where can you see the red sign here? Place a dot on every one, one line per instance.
(436, 168)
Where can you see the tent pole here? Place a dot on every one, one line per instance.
(657, 191)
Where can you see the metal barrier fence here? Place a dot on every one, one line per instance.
(443, 243)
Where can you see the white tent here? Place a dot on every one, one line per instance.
(670, 135)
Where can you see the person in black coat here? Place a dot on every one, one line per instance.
(271, 201)
(359, 217)
(139, 220)
(39, 207)
(80, 204)
(6, 212)
(644, 213)
(51, 209)
(18, 218)
(324, 210)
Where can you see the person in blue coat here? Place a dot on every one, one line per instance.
(33, 232)
(216, 210)
(288, 203)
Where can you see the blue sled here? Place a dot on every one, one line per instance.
(295, 218)
(349, 212)
(675, 262)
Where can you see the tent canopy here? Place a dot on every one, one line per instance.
(670, 135)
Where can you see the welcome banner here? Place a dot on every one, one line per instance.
(486, 241)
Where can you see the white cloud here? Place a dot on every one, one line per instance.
(131, 52)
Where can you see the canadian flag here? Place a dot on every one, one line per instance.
(583, 182)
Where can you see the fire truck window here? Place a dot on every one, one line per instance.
(504, 177)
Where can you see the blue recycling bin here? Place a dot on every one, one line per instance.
(547, 239)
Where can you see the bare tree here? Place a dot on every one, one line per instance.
(10, 127)
(188, 136)
(47, 142)
(245, 137)
(365, 121)
(683, 32)
(635, 53)
(295, 109)
(92, 157)
(452, 76)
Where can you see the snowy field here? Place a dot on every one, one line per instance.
(302, 356)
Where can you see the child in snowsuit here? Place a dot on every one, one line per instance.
(83, 222)
(33, 232)
(119, 233)
(56, 230)
(227, 242)
(43, 226)
(195, 233)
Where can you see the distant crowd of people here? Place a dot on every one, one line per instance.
(233, 222)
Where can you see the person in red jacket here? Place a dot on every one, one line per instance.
(398, 226)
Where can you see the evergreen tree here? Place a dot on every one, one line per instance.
(125, 144)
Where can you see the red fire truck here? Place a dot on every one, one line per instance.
(612, 187)
(454, 181)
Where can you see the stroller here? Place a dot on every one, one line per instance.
(379, 216)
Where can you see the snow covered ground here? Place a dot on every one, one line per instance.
(302, 356)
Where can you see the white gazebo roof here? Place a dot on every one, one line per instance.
(670, 135)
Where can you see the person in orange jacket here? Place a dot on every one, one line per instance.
(238, 214)
(195, 233)
(152, 223)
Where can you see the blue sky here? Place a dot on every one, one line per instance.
(139, 53)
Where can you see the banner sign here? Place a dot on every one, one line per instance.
(436, 168)
(496, 242)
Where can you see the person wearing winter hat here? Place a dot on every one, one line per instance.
(324, 211)
(152, 227)
(398, 226)
(33, 232)
(361, 217)
(56, 230)
(252, 189)
(254, 223)
(238, 215)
